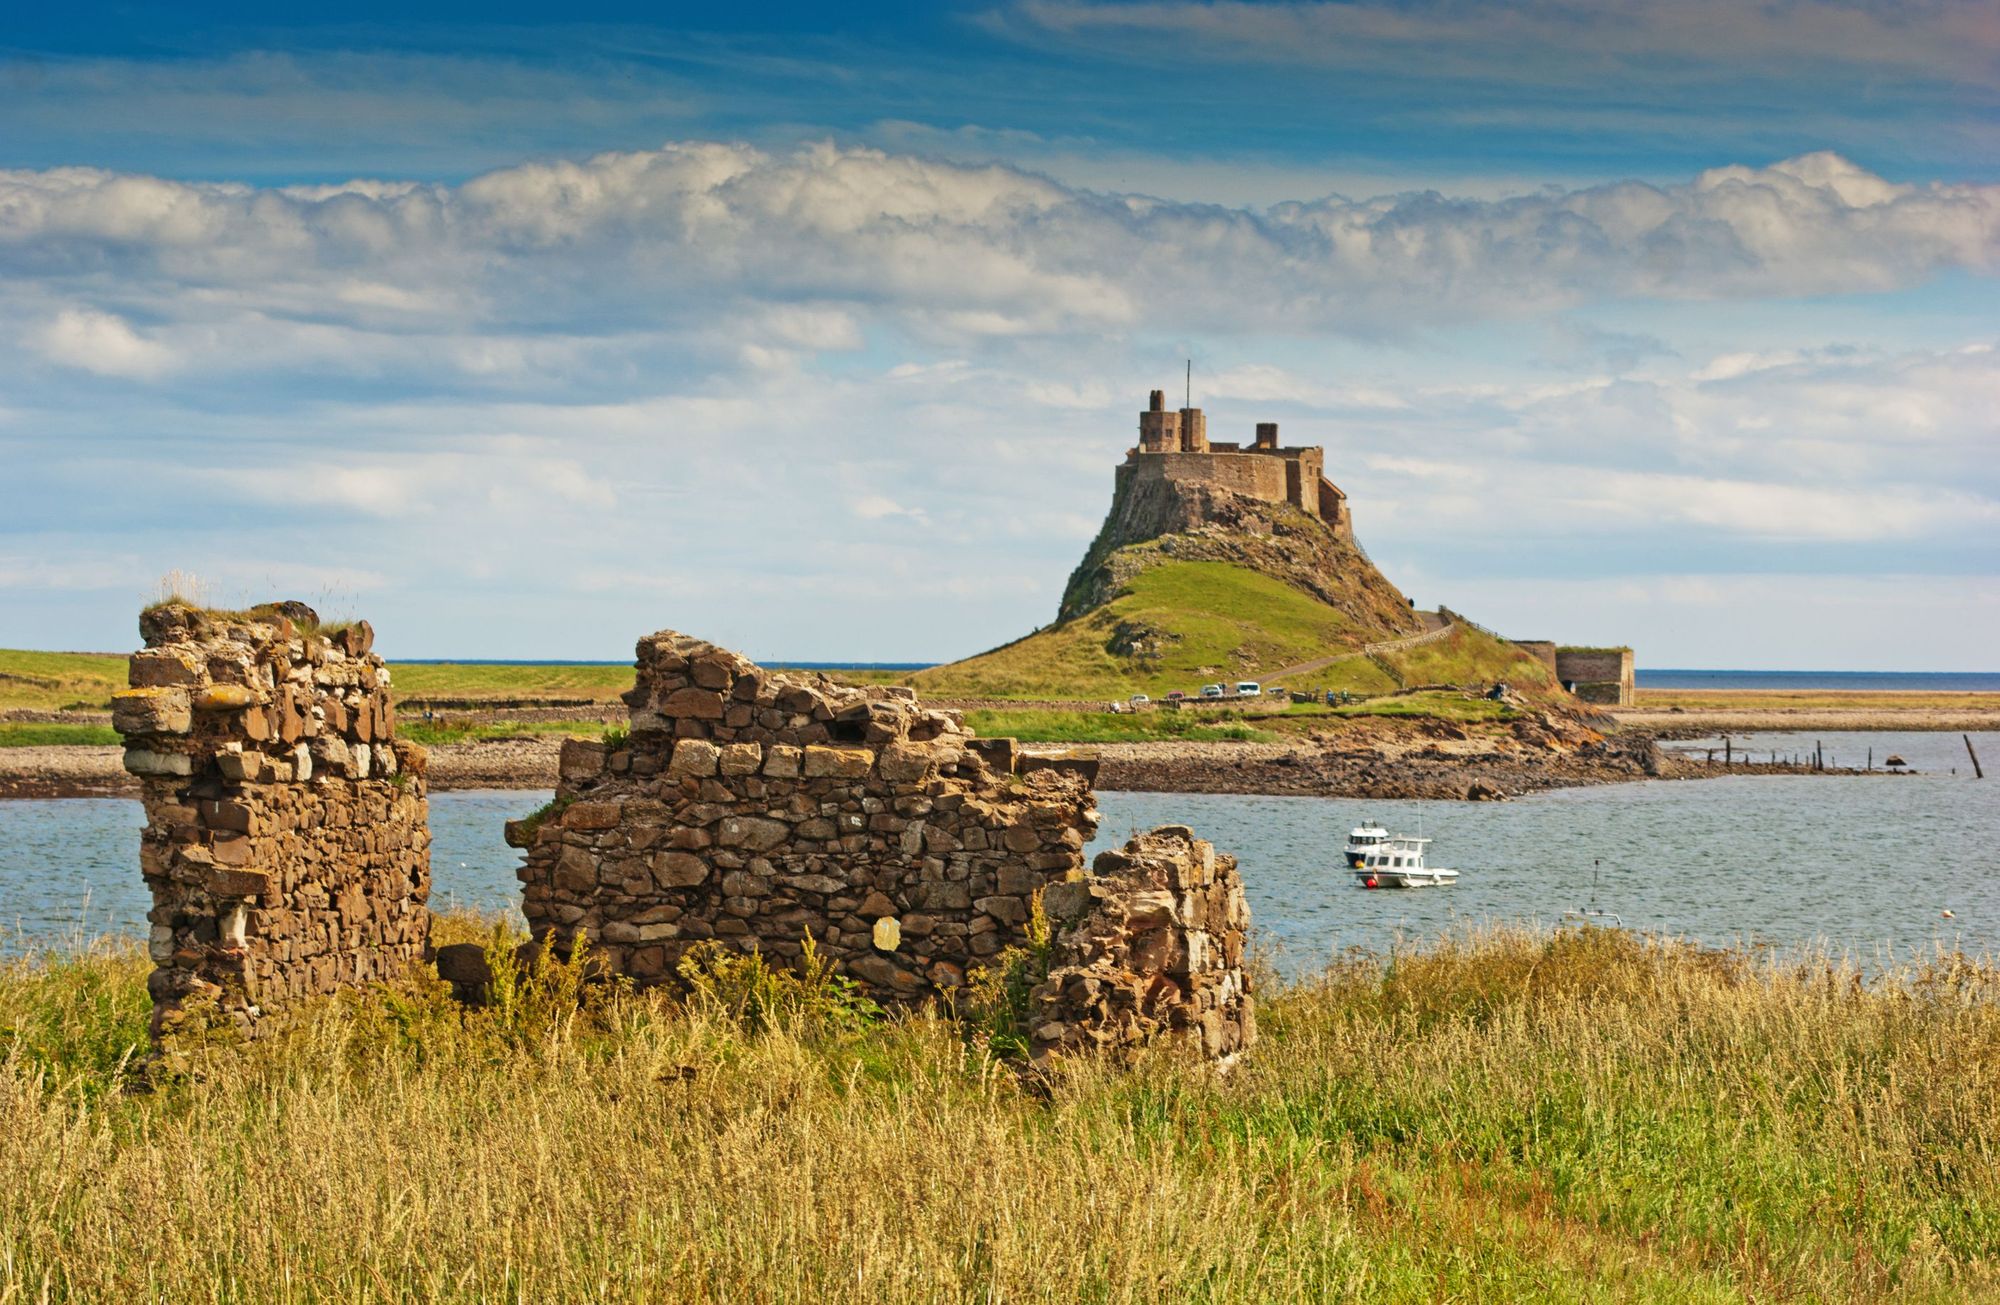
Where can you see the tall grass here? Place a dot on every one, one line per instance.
(1505, 1116)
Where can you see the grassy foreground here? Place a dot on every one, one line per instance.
(1503, 1117)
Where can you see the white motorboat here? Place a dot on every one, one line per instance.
(1363, 839)
(1398, 862)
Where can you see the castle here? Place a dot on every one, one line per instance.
(1174, 447)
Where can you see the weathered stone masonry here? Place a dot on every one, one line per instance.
(287, 841)
(1150, 942)
(757, 806)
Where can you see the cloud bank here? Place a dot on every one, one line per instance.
(769, 390)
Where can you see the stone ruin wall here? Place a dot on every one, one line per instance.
(287, 839)
(1150, 942)
(756, 807)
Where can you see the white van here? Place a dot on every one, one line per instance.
(1249, 689)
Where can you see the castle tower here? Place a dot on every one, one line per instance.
(1160, 430)
(1267, 436)
(1194, 431)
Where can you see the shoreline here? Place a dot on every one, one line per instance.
(1416, 767)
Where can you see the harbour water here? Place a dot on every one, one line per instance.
(1866, 865)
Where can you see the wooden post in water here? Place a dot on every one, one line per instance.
(1871, 758)
(1725, 750)
(1977, 773)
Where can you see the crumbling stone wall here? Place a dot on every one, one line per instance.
(287, 840)
(1150, 942)
(754, 806)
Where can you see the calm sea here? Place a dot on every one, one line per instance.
(1852, 681)
(1864, 864)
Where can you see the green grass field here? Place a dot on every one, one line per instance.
(1222, 619)
(52, 681)
(33, 734)
(1507, 1117)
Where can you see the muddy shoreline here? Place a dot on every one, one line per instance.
(1395, 768)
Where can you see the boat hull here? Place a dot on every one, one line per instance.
(1405, 878)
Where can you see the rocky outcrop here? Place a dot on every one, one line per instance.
(287, 842)
(758, 807)
(1152, 521)
(1149, 943)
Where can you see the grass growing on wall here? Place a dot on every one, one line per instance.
(1502, 1117)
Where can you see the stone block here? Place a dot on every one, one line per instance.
(742, 758)
(906, 762)
(695, 757)
(692, 704)
(590, 816)
(145, 762)
(838, 763)
(581, 759)
(163, 710)
(153, 668)
(225, 697)
(678, 869)
(235, 882)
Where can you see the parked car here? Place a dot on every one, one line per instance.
(1275, 692)
(1248, 689)
(1139, 700)
(1177, 696)
(1211, 690)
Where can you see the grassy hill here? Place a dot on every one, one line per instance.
(1176, 625)
(1179, 625)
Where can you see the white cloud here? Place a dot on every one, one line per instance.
(103, 343)
(812, 241)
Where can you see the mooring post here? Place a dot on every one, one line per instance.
(1977, 773)
(1727, 750)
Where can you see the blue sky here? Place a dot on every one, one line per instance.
(818, 332)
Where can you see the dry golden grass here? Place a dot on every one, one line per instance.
(1502, 1117)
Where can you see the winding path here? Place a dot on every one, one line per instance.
(1365, 650)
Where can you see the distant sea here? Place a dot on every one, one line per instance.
(1854, 681)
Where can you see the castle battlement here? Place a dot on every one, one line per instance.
(1174, 446)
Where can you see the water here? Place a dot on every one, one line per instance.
(1865, 864)
(1846, 681)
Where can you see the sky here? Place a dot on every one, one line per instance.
(817, 330)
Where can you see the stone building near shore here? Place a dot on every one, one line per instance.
(1598, 675)
(757, 807)
(287, 839)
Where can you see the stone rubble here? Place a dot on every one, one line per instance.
(287, 840)
(1150, 942)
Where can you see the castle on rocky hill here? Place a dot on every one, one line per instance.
(1174, 448)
